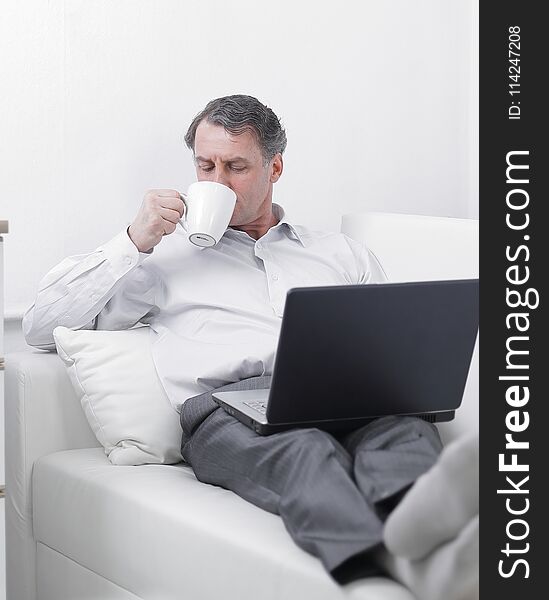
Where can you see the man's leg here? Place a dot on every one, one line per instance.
(431, 531)
(432, 535)
(389, 454)
(304, 475)
(448, 491)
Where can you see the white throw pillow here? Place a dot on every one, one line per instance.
(115, 378)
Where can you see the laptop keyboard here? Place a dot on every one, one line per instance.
(259, 405)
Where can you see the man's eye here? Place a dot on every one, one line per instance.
(206, 169)
(238, 169)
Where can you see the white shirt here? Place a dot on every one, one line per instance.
(214, 313)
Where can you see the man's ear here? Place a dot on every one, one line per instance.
(277, 166)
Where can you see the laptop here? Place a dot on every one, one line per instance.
(349, 354)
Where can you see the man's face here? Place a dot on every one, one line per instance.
(236, 161)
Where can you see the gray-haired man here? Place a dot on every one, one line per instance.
(216, 314)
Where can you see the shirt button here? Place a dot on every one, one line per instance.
(274, 277)
(259, 246)
(128, 260)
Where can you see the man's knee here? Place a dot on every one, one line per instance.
(197, 409)
(194, 411)
(405, 429)
(387, 433)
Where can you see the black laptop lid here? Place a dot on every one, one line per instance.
(370, 350)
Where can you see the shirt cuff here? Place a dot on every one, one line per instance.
(122, 253)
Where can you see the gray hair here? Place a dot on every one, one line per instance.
(240, 113)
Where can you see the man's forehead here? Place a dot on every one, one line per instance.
(214, 141)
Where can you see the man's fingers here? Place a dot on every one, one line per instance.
(159, 214)
(172, 203)
(170, 215)
(168, 228)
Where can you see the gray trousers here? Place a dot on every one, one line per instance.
(331, 492)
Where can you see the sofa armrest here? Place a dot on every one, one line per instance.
(42, 415)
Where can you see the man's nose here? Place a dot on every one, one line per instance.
(220, 177)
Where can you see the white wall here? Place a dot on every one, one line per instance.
(379, 100)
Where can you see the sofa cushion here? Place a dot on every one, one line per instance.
(157, 532)
(114, 376)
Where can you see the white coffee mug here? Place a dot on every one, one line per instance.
(209, 207)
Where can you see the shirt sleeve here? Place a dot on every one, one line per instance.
(368, 266)
(109, 288)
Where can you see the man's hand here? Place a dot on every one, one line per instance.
(158, 216)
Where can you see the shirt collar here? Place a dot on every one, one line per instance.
(283, 219)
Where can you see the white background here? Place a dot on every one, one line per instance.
(379, 101)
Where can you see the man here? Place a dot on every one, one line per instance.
(217, 313)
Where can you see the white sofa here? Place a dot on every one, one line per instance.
(78, 527)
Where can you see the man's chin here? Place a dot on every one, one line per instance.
(235, 222)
